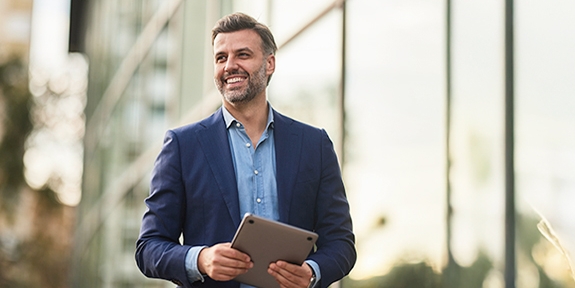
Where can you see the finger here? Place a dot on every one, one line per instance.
(275, 272)
(226, 273)
(290, 275)
(303, 270)
(225, 261)
(221, 262)
(224, 250)
(223, 270)
(238, 255)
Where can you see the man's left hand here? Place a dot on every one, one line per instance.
(290, 275)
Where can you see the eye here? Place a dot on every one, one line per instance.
(220, 59)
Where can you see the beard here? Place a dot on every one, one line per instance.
(257, 82)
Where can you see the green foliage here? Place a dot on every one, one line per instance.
(407, 275)
(15, 101)
(422, 275)
(35, 230)
(472, 276)
(412, 275)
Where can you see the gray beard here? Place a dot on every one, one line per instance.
(256, 84)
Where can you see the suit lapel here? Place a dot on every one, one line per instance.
(288, 141)
(216, 146)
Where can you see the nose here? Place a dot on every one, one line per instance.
(231, 64)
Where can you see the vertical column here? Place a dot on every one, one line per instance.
(450, 274)
(509, 150)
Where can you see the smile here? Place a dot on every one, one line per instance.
(234, 80)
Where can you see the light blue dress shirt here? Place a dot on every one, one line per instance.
(255, 168)
(256, 179)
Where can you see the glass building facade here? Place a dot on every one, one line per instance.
(373, 74)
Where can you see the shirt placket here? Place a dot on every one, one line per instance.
(260, 198)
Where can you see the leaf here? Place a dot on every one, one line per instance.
(547, 231)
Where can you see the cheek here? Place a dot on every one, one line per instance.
(218, 70)
(218, 75)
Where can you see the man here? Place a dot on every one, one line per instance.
(246, 157)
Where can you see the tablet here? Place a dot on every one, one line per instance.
(267, 241)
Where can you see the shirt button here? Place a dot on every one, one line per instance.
(259, 200)
(248, 145)
(256, 172)
(238, 125)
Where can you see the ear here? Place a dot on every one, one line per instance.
(270, 64)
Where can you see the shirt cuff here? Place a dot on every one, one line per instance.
(315, 269)
(191, 263)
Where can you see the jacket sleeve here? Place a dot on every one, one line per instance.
(335, 254)
(159, 253)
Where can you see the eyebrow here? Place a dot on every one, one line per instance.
(243, 49)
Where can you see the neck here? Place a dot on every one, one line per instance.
(253, 115)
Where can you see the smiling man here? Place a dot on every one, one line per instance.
(244, 158)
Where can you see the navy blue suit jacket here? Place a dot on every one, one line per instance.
(193, 192)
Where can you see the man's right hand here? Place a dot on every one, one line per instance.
(221, 262)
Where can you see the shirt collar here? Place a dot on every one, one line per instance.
(229, 119)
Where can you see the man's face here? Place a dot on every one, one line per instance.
(241, 69)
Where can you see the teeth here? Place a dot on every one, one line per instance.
(234, 80)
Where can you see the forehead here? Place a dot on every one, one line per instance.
(232, 41)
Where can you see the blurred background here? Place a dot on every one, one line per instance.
(412, 93)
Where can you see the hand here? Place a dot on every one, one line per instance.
(222, 262)
(290, 275)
